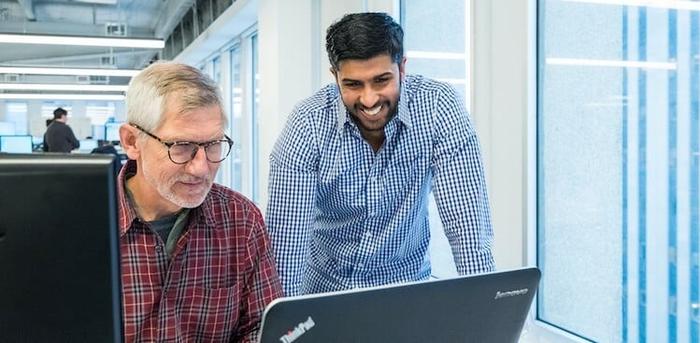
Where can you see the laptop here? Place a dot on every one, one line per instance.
(489, 307)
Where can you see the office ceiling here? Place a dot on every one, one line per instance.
(113, 18)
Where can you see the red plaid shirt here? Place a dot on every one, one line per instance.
(217, 283)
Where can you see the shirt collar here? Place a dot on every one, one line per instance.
(404, 97)
(127, 213)
(341, 110)
(403, 114)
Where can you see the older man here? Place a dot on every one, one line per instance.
(195, 256)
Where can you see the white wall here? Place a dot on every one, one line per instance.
(502, 69)
(285, 42)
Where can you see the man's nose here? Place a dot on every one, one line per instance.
(199, 165)
(369, 98)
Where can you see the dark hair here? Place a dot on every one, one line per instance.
(363, 36)
(59, 112)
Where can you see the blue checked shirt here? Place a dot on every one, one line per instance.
(342, 216)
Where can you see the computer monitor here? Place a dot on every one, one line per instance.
(59, 249)
(86, 145)
(489, 307)
(112, 131)
(16, 144)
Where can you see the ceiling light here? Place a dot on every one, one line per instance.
(612, 63)
(108, 97)
(62, 87)
(68, 71)
(84, 41)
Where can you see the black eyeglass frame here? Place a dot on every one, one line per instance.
(203, 145)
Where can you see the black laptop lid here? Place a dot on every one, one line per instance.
(59, 261)
(484, 308)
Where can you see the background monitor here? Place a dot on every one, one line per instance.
(59, 249)
(112, 131)
(16, 144)
(86, 145)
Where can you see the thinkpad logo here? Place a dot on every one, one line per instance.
(508, 294)
(298, 330)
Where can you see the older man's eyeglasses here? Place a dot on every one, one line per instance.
(183, 152)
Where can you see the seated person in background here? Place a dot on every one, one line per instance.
(109, 149)
(196, 261)
(105, 149)
(351, 172)
(59, 136)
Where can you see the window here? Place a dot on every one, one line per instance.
(236, 118)
(216, 70)
(233, 66)
(213, 70)
(100, 113)
(17, 114)
(440, 53)
(617, 170)
(436, 40)
(256, 108)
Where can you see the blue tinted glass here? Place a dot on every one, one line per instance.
(618, 170)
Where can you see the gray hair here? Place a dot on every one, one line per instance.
(150, 90)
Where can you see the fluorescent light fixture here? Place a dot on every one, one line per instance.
(83, 41)
(68, 71)
(435, 55)
(612, 63)
(62, 87)
(34, 96)
(668, 4)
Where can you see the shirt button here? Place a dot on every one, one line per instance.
(159, 247)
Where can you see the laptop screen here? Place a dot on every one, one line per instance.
(483, 308)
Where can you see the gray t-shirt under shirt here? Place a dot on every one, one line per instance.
(163, 226)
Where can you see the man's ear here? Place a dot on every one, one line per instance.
(334, 73)
(128, 135)
(402, 68)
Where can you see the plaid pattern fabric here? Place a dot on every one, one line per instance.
(217, 284)
(342, 216)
